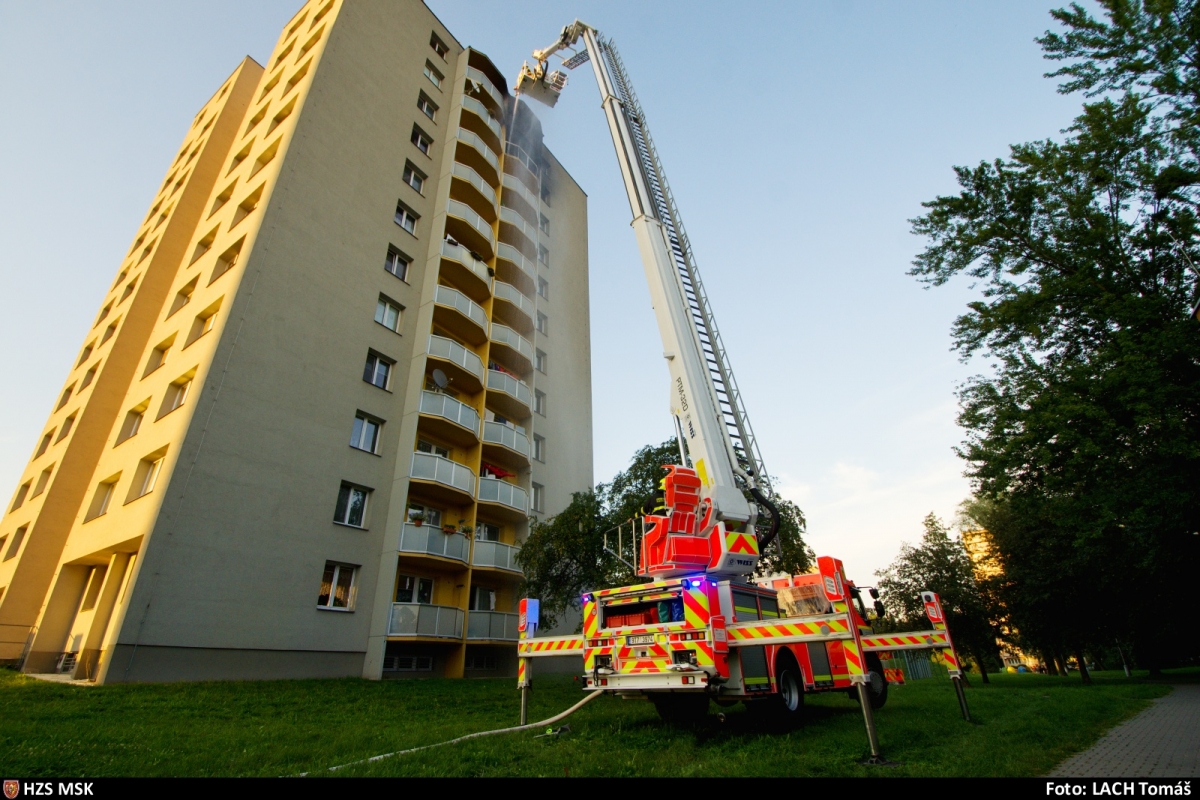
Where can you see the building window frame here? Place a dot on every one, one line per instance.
(406, 218)
(366, 433)
(332, 597)
(378, 370)
(538, 497)
(352, 503)
(397, 263)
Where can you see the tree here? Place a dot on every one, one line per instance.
(940, 564)
(564, 555)
(1085, 436)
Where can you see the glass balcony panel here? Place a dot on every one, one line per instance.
(481, 226)
(503, 435)
(483, 80)
(502, 382)
(506, 291)
(430, 541)
(484, 113)
(494, 490)
(445, 296)
(512, 254)
(475, 140)
(494, 625)
(452, 351)
(507, 336)
(517, 221)
(518, 152)
(518, 187)
(496, 555)
(472, 177)
(428, 467)
(445, 406)
(412, 619)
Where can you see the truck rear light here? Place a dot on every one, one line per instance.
(604, 681)
(688, 679)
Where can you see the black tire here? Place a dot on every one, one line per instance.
(877, 685)
(680, 708)
(789, 686)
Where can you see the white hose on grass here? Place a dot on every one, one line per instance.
(590, 697)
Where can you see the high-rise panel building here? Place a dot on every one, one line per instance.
(343, 363)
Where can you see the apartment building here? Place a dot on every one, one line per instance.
(344, 362)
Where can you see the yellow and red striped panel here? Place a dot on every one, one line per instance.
(558, 645)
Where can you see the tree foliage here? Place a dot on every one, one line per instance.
(1083, 440)
(564, 556)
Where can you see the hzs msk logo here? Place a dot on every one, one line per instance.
(12, 789)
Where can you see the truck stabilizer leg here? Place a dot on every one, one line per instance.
(962, 698)
(877, 759)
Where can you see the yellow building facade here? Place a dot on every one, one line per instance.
(343, 363)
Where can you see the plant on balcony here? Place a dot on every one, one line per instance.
(448, 529)
(416, 519)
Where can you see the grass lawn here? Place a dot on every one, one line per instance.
(1024, 725)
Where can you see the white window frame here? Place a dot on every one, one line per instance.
(543, 288)
(539, 402)
(374, 360)
(434, 448)
(427, 106)
(416, 589)
(366, 427)
(421, 140)
(539, 448)
(429, 515)
(382, 306)
(543, 255)
(543, 324)
(331, 599)
(543, 224)
(151, 477)
(433, 75)
(538, 497)
(414, 178)
(406, 218)
(539, 361)
(350, 489)
(393, 260)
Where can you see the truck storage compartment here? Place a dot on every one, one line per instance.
(648, 613)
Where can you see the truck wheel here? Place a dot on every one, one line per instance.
(877, 686)
(681, 708)
(790, 686)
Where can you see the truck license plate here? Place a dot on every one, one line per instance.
(643, 639)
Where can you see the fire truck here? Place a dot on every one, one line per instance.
(701, 627)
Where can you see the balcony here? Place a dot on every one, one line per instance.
(449, 419)
(465, 225)
(485, 82)
(464, 368)
(495, 626)
(518, 155)
(459, 315)
(511, 349)
(474, 151)
(504, 445)
(434, 622)
(504, 499)
(518, 187)
(484, 114)
(513, 267)
(426, 540)
(526, 235)
(495, 555)
(465, 271)
(508, 395)
(442, 480)
(513, 308)
(470, 188)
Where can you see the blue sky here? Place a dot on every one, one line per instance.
(798, 138)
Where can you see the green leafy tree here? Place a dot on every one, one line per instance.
(1085, 436)
(940, 564)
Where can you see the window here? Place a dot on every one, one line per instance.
(283, 114)
(65, 398)
(183, 296)
(129, 287)
(311, 43)
(146, 476)
(22, 493)
(264, 158)
(543, 255)
(421, 140)
(176, 394)
(247, 206)
(279, 58)
(482, 599)
(539, 497)
(227, 260)
(426, 105)
(543, 323)
(42, 481)
(103, 313)
(408, 663)
(244, 153)
(539, 448)
(88, 377)
(204, 245)
(108, 332)
(320, 16)
(434, 449)
(397, 263)
(66, 428)
(158, 356)
(539, 362)
(438, 47)
(387, 313)
(413, 177)
(487, 532)
(351, 506)
(338, 587)
(378, 370)
(44, 444)
(18, 537)
(479, 662)
(412, 589)
(87, 352)
(543, 223)
(539, 402)
(296, 27)
(432, 516)
(544, 288)
(220, 201)
(133, 421)
(366, 433)
(296, 78)
(434, 76)
(406, 219)
(204, 322)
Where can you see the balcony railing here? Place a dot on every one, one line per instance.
(430, 541)
(464, 211)
(515, 185)
(452, 351)
(472, 177)
(495, 554)
(453, 298)
(478, 77)
(475, 140)
(484, 113)
(428, 467)
(517, 152)
(510, 253)
(498, 433)
(456, 252)
(517, 221)
(494, 490)
(506, 291)
(412, 619)
(506, 335)
(446, 407)
(502, 382)
(495, 625)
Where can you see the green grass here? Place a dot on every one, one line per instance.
(1024, 725)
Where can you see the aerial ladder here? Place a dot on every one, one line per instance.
(700, 627)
